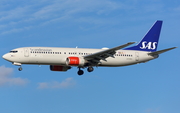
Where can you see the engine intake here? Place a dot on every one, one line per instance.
(75, 61)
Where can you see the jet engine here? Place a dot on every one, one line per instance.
(75, 61)
(59, 68)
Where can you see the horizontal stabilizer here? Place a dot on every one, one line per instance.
(161, 51)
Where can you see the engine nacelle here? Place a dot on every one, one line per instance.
(75, 61)
(59, 68)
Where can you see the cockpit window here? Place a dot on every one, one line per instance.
(13, 51)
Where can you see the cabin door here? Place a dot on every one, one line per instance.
(26, 52)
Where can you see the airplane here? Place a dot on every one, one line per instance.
(63, 59)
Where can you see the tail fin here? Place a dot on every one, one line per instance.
(150, 40)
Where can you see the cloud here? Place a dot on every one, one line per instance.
(177, 9)
(6, 78)
(18, 16)
(67, 83)
(65, 10)
(14, 30)
(149, 110)
(15, 18)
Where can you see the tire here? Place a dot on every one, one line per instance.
(20, 69)
(80, 72)
(90, 69)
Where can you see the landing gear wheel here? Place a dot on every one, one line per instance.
(90, 69)
(80, 72)
(20, 68)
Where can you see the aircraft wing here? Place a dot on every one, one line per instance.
(102, 55)
(161, 51)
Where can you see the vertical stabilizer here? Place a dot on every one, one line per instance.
(150, 40)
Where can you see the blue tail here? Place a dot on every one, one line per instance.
(150, 40)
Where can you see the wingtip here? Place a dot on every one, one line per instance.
(174, 47)
(131, 42)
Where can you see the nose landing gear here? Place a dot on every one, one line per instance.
(20, 68)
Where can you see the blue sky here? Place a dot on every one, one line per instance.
(152, 87)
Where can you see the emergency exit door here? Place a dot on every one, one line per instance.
(26, 52)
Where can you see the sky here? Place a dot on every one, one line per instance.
(151, 87)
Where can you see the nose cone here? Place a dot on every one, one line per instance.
(5, 56)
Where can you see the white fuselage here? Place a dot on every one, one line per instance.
(58, 56)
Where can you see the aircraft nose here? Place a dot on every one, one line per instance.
(5, 56)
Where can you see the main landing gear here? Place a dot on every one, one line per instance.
(81, 72)
(90, 69)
